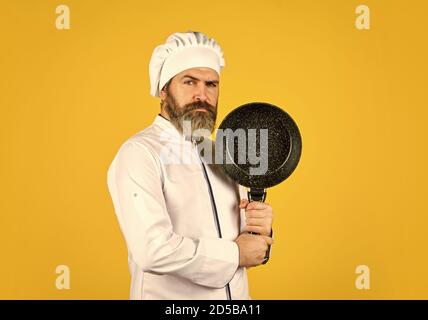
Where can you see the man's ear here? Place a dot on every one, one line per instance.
(162, 94)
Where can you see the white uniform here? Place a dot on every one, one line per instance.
(172, 216)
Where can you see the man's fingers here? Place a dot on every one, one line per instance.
(243, 204)
(256, 222)
(257, 205)
(268, 240)
(256, 229)
(257, 214)
(254, 205)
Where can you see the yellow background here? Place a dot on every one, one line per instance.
(69, 98)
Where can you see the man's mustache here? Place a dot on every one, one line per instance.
(200, 105)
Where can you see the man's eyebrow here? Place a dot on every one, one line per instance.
(188, 76)
(196, 79)
(212, 81)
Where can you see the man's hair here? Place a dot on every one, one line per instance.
(166, 87)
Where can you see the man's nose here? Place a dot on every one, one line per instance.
(200, 93)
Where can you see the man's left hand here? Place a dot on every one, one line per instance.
(259, 216)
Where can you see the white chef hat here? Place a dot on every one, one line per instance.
(182, 51)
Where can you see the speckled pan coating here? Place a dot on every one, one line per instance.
(284, 144)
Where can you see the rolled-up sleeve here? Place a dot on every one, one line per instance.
(135, 184)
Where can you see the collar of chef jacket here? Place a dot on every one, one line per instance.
(169, 128)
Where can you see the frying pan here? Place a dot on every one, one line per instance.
(268, 134)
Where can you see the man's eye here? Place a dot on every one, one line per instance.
(188, 82)
(212, 84)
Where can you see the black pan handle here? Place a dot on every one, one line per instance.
(256, 194)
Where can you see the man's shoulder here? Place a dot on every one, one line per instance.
(146, 134)
(138, 148)
(150, 138)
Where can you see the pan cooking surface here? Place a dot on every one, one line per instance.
(252, 165)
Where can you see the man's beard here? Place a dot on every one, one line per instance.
(195, 125)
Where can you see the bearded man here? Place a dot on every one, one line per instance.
(185, 223)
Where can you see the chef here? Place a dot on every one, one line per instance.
(185, 223)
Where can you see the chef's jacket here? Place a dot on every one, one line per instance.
(179, 216)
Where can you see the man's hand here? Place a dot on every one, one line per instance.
(252, 249)
(259, 216)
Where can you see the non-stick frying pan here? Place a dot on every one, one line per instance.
(281, 147)
(264, 132)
